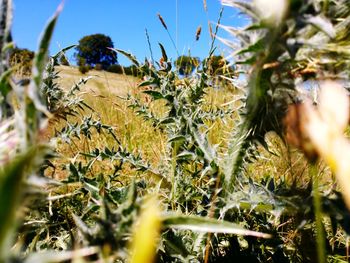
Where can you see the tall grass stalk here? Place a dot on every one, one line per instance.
(161, 19)
(320, 234)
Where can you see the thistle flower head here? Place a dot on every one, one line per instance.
(271, 12)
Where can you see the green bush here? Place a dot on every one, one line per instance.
(84, 69)
(116, 68)
(132, 71)
(98, 66)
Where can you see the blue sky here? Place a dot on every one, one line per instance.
(125, 22)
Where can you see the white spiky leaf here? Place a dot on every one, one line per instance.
(271, 12)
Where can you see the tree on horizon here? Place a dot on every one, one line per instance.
(93, 51)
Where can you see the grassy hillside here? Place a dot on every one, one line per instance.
(102, 82)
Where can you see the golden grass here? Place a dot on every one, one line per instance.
(102, 82)
(103, 93)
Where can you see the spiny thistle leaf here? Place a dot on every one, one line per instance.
(130, 56)
(40, 58)
(164, 55)
(323, 24)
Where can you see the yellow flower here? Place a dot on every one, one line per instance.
(146, 235)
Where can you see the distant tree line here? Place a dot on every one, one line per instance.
(93, 52)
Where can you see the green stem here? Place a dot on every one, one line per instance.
(325, 6)
(173, 173)
(320, 235)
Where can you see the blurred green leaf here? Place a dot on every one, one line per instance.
(12, 177)
(5, 86)
(208, 225)
(40, 58)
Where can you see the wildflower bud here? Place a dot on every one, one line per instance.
(271, 12)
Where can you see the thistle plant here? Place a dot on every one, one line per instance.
(21, 123)
(98, 203)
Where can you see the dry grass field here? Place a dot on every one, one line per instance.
(105, 91)
(102, 82)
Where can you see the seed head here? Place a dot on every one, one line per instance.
(162, 21)
(198, 32)
(205, 5)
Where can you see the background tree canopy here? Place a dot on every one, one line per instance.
(186, 64)
(217, 65)
(93, 50)
(23, 58)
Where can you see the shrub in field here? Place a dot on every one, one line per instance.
(186, 64)
(84, 69)
(115, 69)
(132, 71)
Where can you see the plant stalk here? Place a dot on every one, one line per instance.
(320, 235)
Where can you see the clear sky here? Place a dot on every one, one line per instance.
(125, 22)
